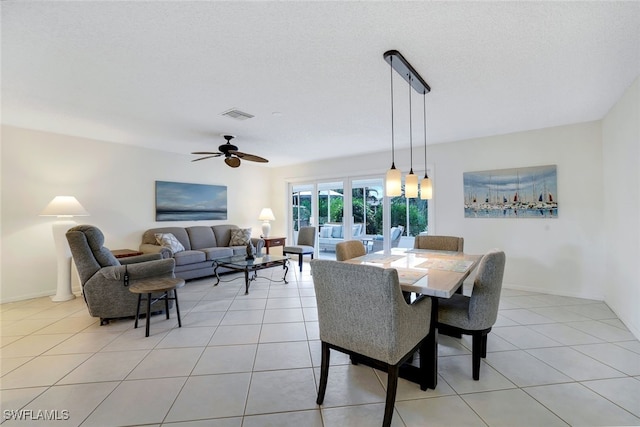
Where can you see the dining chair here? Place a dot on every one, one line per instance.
(304, 246)
(349, 249)
(362, 312)
(439, 243)
(475, 315)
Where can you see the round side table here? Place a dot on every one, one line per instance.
(162, 285)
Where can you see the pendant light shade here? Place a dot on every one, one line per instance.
(426, 190)
(393, 182)
(411, 186)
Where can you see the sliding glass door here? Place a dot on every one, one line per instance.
(355, 208)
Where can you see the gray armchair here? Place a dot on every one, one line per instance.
(103, 276)
(395, 236)
(362, 312)
(476, 315)
(439, 243)
(349, 249)
(305, 245)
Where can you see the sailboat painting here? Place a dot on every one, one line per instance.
(530, 192)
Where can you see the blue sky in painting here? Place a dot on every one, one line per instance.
(193, 197)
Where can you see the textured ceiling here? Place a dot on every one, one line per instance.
(158, 74)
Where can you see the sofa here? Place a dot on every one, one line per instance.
(332, 234)
(195, 248)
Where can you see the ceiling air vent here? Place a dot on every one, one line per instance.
(234, 113)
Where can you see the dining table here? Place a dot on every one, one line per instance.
(430, 274)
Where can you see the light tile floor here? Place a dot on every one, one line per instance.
(253, 360)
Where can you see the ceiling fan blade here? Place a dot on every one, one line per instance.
(234, 162)
(250, 157)
(206, 157)
(217, 153)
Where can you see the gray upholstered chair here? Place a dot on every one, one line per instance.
(475, 315)
(395, 236)
(349, 249)
(439, 243)
(103, 276)
(362, 312)
(305, 245)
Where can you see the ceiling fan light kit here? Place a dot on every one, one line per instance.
(393, 179)
(231, 154)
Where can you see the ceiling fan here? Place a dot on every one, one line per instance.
(231, 154)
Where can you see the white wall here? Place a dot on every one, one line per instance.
(114, 182)
(557, 256)
(621, 164)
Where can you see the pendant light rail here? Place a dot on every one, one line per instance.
(402, 67)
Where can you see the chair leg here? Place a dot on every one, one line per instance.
(483, 347)
(392, 387)
(300, 262)
(476, 352)
(424, 364)
(324, 373)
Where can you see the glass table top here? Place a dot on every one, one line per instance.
(241, 261)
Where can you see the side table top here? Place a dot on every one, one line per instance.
(157, 284)
(125, 253)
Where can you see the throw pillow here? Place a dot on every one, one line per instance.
(337, 232)
(325, 232)
(170, 241)
(240, 237)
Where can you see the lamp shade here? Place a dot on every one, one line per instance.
(426, 189)
(65, 206)
(411, 186)
(266, 214)
(393, 182)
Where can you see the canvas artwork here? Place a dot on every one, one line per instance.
(178, 201)
(530, 192)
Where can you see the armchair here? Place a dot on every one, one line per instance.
(305, 245)
(395, 235)
(103, 276)
(362, 312)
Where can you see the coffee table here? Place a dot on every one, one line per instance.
(240, 263)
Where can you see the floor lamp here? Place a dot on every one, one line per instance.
(63, 207)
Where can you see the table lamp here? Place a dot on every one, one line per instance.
(63, 207)
(266, 215)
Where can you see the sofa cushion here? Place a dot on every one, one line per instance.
(337, 232)
(223, 233)
(170, 241)
(325, 232)
(201, 237)
(217, 253)
(240, 237)
(149, 236)
(189, 257)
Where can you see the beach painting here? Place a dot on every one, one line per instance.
(528, 192)
(178, 201)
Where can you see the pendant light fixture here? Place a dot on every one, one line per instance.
(393, 180)
(426, 189)
(411, 180)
